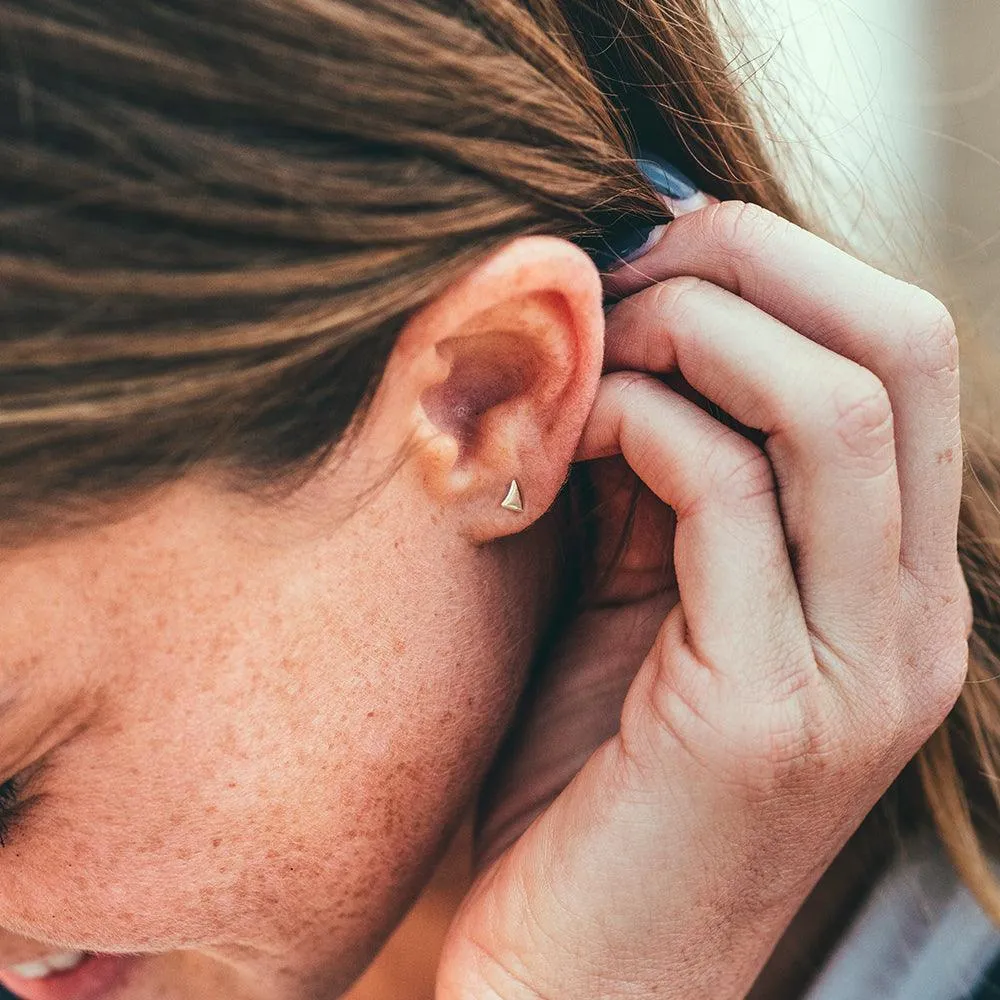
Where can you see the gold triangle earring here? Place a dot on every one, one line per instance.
(513, 499)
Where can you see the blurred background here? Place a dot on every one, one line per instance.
(885, 116)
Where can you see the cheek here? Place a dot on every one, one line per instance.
(255, 788)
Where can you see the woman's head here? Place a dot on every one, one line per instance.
(284, 310)
(290, 290)
(243, 728)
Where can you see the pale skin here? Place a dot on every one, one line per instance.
(253, 726)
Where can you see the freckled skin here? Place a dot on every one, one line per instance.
(246, 728)
(255, 727)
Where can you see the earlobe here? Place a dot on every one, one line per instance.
(492, 384)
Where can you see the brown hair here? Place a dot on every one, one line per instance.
(216, 217)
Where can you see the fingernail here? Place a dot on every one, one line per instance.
(665, 177)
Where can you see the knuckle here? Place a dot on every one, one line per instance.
(863, 419)
(946, 681)
(929, 337)
(737, 224)
(955, 632)
(756, 747)
(738, 231)
(935, 676)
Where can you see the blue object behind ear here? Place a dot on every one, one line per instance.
(625, 240)
(665, 177)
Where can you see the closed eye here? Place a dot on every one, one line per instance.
(18, 795)
(10, 804)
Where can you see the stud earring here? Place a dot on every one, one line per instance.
(513, 499)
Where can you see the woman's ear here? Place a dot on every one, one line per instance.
(492, 383)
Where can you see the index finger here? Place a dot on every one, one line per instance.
(896, 330)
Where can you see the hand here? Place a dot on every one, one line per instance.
(817, 633)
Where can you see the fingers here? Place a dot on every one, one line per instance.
(830, 436)
(733, 572)
(902, 334)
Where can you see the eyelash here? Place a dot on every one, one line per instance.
(10, 803)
